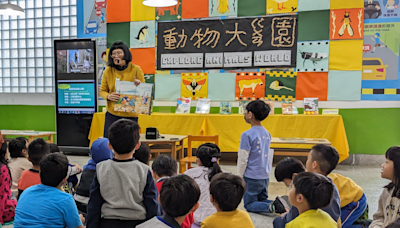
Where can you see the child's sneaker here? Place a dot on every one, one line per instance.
(280, 205)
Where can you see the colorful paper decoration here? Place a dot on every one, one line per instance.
(312, 5)
(118, 11)
(194, 85)
(381, 51)
(281, 6)
(166, 88)
(248, 8)
(344, 85)
(149, 78)
(145, 58)
(313, 56)
(310, 84)
(169, 13)
(220, 8)
(118, 31)
(381, 9)
(143, 34)
(194, 8)
(140, 12)
(280, 85)
(346, 4)
(314, 25)
(250, 86)
(217, 92)
(347, 24)
(345, 55)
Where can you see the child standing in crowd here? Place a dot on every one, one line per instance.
(99, 152)
(321, 160)
(123, 192)
(143, 154)
(19, 162)
(308, 194)
(37, 149)
(163, 168)
(46, 205)
(73, 170)
(226, 192)
(255, 161)
(7, 205)
(207, 160)
(389, 201)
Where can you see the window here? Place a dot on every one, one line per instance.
(26, 44)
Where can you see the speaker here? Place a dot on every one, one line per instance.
(152, 133)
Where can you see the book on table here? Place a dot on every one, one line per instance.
(287, 108)
(311, 106)
(272, 106)
(225, 108)
(293, 140)
(183, 105)
(203, 106)
(135, 99)
(242, 106)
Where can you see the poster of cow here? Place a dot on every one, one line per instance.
(250, 86)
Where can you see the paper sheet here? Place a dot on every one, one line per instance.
(167, 87)
(311, 84)
(118, 31)
(312, 5)
(145, 58)
(194, 8)
(221, 86)
(313, 25)
(140, 12)
(345, 55)
(344, 85)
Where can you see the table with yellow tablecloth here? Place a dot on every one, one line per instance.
(229, 128)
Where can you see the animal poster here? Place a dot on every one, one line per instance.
(281, 6)
(220, 8)
(250, 86)
(374, 9)
(169, 13)
(347, 24)
(143, 34)
(381, 51)
(280, 85)
(313, 56)
(194, 85)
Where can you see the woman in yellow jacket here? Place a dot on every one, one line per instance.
(119, 68)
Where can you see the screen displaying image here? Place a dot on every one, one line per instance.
(76, 61)
(75, 96)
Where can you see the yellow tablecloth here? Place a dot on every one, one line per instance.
(229, 128)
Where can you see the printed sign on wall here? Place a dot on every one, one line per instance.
(231, 43)
(381, 9)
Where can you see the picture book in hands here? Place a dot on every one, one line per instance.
(135, 99)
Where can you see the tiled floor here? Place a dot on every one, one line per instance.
(368, 177)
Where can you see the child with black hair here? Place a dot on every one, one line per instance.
(226, 192)
(7, 205)
(207, 160)
(287, 169)
(123, 192)
(19, 162)
(179, 196)
(309, 193)
(45, 204)
(99, 152)
(37, 149)
(255, 160)
(389, 201)
(143, 154)
(164, 167)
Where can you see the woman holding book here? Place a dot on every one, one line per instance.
(119, 68)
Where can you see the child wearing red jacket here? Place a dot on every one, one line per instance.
(163, 168)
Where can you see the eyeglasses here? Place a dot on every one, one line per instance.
(117, 54)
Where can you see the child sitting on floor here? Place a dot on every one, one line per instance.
(99, 152)
(207, 159)
(309, 193)
(226, 192)
(255, 161)
(123, 192)
(19, 162)
(389, 201)
(288, 168)
(73, 170)
(7, 205)
(46, 205)
(163, 168)
(37, 149)
(179, 196)
(143, 154)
